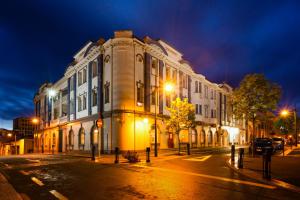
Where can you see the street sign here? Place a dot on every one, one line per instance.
(99, 123)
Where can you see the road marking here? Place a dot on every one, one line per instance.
(7, 166)
(33, 160)
(199, 159)
(37, 181)
(24, 172)
(58, 195)
(211, 177)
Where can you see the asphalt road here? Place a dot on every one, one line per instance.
(202, 176)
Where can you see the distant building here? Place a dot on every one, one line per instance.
(116, 81)
(23, 126)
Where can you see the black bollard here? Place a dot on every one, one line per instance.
(148, 154)
(241, 158)
(283, 148)
(267, 163)
(188, 149)
(117, 155)
(93, 152)
(232, 152)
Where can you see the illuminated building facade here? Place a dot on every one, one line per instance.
(120, 81)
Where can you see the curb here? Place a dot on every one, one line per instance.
(9, 192)
(273, 181)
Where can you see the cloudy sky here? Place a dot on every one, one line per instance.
(223, 40)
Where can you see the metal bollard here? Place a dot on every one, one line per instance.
(282, 148)
(241, 158)
(188, 149)
(232, 152)
(117, 155)
(267, 163)
(148, 154)
(93, 152)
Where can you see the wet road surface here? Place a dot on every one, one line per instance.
(202, 176)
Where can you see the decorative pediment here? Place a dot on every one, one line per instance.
(155, 44)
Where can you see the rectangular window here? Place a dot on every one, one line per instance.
(71, 84)
(72, 106)
(84, 73)
(205, 91)
(212, 113)
(197, 109)
(200, 87)
(212, 94)
(140, 92)
(106, 92)
(184, 85)
(94, 69)
(84, 102)
(174, 76)
(153, 96)
(94, 97)
(79, 104)
(196, 86)
(154, 66)
(206, 111)
(79, 78)
(200, 109)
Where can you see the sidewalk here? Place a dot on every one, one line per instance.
(7, 192)
(284, 170)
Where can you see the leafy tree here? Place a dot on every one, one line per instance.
(284, 125)
(255, 96)
(182, 116)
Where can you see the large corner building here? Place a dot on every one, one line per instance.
(120, 81)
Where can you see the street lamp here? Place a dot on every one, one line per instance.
(36, 121)
(15, 134)
(168, 87)
(285, 113)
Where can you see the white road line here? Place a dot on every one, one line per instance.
(199, 159)
(58, 195)
(211, 177)
(37, 181)
(24, 172)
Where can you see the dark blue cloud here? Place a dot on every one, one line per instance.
(224, 40)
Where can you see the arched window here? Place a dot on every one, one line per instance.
(94, 135)
(203, 137)
(81, 135)
(210, 136)
(71, 138)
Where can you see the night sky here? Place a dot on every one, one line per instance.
(223, 40)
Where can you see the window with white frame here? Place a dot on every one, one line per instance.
(84, 73)
(205, 91)
(79, 103)
(94, 69)
(153, 95)
(94, 97)
(84, 101)
(196, 87)
(200, 87)
(154, 66)
(206, 111)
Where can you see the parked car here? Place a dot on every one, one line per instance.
(277, 143)
(261, 143)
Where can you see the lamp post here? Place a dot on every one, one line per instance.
(168, 87)
(285, 113)
(15, 135)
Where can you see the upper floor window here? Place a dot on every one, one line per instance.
(82, 76)
(184, 81)
(79, 103)
(212, 94)
(94, 97)
(94, 69)
(168, 100)
(206, 111)
(153, 95)
(154, 66)
(196, 87)
(200, 87)
(84, 102)
(174, 76)
(139, 92)
(198, 109)
(72, 83)
(106, 92)
(206, 91)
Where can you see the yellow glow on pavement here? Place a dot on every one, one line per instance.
(210, 177)
(58, 195)
(37, 181)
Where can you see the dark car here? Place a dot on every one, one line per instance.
(277, 143)
(261, 143)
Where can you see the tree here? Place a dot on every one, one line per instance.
(284, 125)
(182, 116)
(255, 96)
